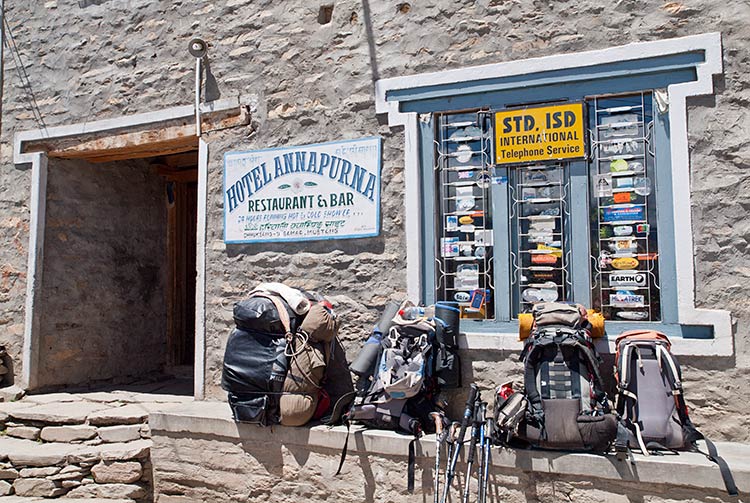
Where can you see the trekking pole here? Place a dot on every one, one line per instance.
(488, 427)
(481, 421)
(440, 435)
(468, 412)
(472, 449)
(452, 436)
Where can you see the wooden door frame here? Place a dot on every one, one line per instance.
(144, 135)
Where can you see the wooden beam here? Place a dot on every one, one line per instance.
(176, 137)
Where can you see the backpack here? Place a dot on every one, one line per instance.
(276, 363)
(509, 411)
(255, 361)
(567, 406)
(308, 352)
(404, 382)
(403, 391)
(650, 402)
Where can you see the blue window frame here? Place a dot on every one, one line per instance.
(581, 237)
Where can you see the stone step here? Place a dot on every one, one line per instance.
(30, 453)
(21, 499)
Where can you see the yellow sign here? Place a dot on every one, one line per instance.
(539, 134)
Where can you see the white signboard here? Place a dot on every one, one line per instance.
(322, 191)
(627, 278)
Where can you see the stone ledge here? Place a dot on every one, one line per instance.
(26, 499)
(685, 469)
(33, 454)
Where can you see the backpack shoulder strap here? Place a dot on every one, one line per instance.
(530, 355)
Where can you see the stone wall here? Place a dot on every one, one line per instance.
(103, 311)
(89, 445)
(200, 454)
(314, 82)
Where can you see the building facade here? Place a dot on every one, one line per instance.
(116, 262)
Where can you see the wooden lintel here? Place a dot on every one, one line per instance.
(175, 138)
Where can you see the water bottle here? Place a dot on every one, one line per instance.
(412, 313)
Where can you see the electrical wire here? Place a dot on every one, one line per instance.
(10, 43)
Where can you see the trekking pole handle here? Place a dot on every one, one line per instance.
(468, 412)
(438, 420)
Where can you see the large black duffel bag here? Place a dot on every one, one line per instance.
(254, 361)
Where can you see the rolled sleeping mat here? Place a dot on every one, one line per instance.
(526, 323)
(450, 314)
(597, 323)
(364, 364)
(386, 319)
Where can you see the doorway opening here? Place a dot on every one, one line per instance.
(120, 275)
(180, 173)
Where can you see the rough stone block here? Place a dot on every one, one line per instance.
(67, 433)
(30, 453)
(27, 432)
(109, 491)
(122, 433)
(8, 473)
(71, 483)
(139, 449)
(53, 398)
(127, 414)
(5, 488)
(58, 413)
(37, 487)
(11, 393)
(47, 471)
(117, 472)
(84, 455)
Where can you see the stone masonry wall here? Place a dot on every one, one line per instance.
(208, 468)
(104, 272)
(88, 445)
(314, 82)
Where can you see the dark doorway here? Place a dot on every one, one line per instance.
(180, 172)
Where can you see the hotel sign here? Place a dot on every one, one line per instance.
(310, 192)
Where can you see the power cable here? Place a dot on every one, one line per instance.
(10, 43)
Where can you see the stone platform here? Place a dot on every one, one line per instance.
(201, 455)
(92, 446)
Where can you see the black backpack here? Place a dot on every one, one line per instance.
(255, 363)
(567, 406)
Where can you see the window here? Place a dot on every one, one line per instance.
(610, 229)
(533, 216)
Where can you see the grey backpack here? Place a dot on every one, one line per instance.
(650, 402)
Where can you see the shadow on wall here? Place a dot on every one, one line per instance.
(374, 245)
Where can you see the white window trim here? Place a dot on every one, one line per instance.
(688, 314)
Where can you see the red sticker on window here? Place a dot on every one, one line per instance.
(543, 258)
(621, 197)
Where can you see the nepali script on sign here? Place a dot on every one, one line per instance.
(322, 191)
(539, 134)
